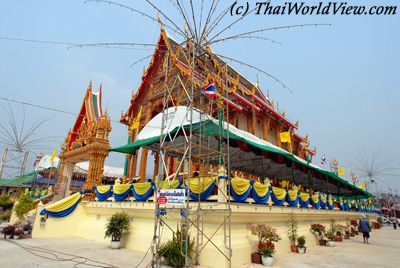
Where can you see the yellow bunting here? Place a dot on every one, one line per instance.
(64, 204)
(199, 185)
(260, 189)
(121, 188)
(285, 137)
(43, 193)
(304, 196)
(280, 193)
(142, 188)
(292, 194)
(103, 188)
(315, 198)
(168, 184)
(330, 200)
(323, 199)
(240, 186)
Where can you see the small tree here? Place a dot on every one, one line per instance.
(117, 224)
(24, 205)
(292, 228)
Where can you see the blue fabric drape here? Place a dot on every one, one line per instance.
(204, 195)
(123, 196)
(103, 197)
(323, 204)
(293, 203)
(275, 200)
(240, 198)
(146, 195)
(315, 205)
(304, 204)
(60, 214)
(259, 199)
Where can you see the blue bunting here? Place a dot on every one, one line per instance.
(204, 195)
(103, 197)
(259, 199)
(304, 204)
(315, 205)
(275, 200)
(240, 198)
(146, 195)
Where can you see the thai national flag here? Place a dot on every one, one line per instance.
(209, 90)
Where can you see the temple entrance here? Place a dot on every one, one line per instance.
(86, 141)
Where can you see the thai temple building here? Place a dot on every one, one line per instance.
(199, 128)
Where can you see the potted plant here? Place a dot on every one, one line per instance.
(27, 228)
(319, 230)
(347, 234)
(265, 234)
(116, 226)
(267, 250)
(292, 232)
(8, 231)
(339, 237)
(354, 225)
(18, 233)
(174, 251)
(301, 244)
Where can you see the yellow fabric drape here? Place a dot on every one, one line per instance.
(103, 188)
(260, 189)
(304, 196)
(168, 184)
(64, 204)
(37, 192)
(197, 186)
(280, 193)
(142, 188)
(44, 192)
(292, 194)
(240, 186)
(121, 188)
(323, 199)
(315, 198)
(330, 200)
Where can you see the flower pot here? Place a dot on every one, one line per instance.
(322, 242)
(267, 260)
(293, 248)
(16, 237)
(256, 257)
(8, 236)
(301, 250)
(330, 243)
(339, 239)
(26, 232)
(115, 244)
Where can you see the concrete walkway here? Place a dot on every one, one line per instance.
(383, 251)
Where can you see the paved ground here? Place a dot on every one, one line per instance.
(383, 251)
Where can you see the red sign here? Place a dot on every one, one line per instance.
(161, 200)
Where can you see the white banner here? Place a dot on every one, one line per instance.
(171, 197)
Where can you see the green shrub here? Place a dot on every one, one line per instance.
(24, 205)
(5, 201)
(174, 250)
(6, 216)
(117, 224)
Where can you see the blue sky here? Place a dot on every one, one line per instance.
(345, 77)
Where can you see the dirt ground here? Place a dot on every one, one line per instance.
(383, 251)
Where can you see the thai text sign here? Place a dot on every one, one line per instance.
(171, 196)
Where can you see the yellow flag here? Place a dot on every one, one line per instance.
(136, 123)
(341, 171)
(53, 156)
(362, 186)
(285, 136)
